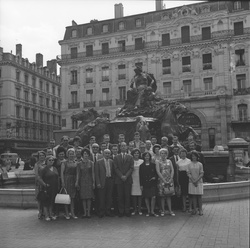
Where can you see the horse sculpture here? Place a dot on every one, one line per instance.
(86, 116)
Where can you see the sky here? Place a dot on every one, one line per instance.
(39, 24)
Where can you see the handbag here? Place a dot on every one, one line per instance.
(43, 196)
(62, 198)
(168, 189)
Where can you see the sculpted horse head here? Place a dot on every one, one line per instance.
(85, 116)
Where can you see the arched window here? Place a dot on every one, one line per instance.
(242, 108)
(121, 25)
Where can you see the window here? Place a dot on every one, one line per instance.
(105, 94)
(89, 50)
(59, 106)
(187, 86)
(237, 5)
(18, 75)
(26, 96)
(208, 84)
(121, 26)
(48, 118)
(73, 33)
(89, 31)
(34, 133)
(242, 108)
(241, 81)
(40, 134)
(26, 79)
(89, 95)
(59, 120)
(59, 92)
(238, 28)
(166, 66)
(74, 124)
(33, 97)
(47, 102)
(122, 93)
(41, 100)
(73, 77)
(122, 45)
(47, 87)
(53, 90)
(105, 28)
(89, 75)
(73, 52)
(211, 137)
(33, 82)
(105, 48)
(138, 44)
(185, 34)
(34, 114)
(26, 113)
(41, 85)
(206, 33)
(18, 93)
(138, 23)
(240, 57)
(105, 73)
(53, 104)
(121, 72)
(167, 88)
(54, 119)
(18, 111)
(64, 122)
(207, 61)
(41, 116)
(74, 97)
(186, 64)
(26, 132)
(165, 39)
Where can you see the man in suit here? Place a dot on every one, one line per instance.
(124, 166)
(95, 155)
(104, 176)
(106, 139)
(114, 151)
(121, 138)
(91, 142)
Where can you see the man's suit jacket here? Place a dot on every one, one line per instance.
(100, 171)
(99, 156)
(172, 159)
(123, 167)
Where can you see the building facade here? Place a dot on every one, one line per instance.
(198, 53)
(30, 102)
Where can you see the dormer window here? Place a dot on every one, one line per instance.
(237, 5)
(73, 33)
(105, 28)
(89, 31)
(138, 23)
(121, 26)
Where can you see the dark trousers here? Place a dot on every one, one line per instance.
(105, 196)
(124, 192)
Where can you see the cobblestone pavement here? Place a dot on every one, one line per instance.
(223, 225)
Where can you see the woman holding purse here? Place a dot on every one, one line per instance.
(165, 172)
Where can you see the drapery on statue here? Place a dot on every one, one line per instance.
(142, 88)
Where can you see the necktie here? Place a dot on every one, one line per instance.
(176, 158)
(107, 168)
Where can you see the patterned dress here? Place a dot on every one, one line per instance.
(136, 189)
(166, 169)
(195, 170)
(85, 179)
(70, 177)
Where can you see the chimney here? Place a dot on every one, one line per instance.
(158, 5)
(52, 66)
(19, 50)
(118, 10)
(39, 60)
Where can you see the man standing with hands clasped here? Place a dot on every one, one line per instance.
(104, 176)
(124, 166)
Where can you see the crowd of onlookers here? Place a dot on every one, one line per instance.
(120, 179)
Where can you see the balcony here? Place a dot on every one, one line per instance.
(121, 76)
(88, 104)
(74, 105)
(120, 101)
(186, 68)
(207, 66)
(166, 70)
(242, 91)
(240, 63)
(105, 103)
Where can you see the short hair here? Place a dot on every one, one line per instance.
(92, 137)
(136, 133)
(164, 150)
(153, 136)
(49, 157)
(103, 143)
(182, 150)
(52, 140)
(134, 151)
(148, 141)
(114, 145)
(70, 150)
(41, 152)
(164, 138)
(144, 154)
(65, 137)
(85, 150)
(106, 135)
(174, 147)
(121, 134)
(196, 154)
(156, 146)
(131, 143)
(107, 150)
(95, 144)
(142, 144)
(77, 138)
(59, 150)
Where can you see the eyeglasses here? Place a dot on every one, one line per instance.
(51, 160)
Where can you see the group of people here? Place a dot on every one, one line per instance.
(109, 179)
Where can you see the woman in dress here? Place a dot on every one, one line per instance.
(39, 165)
(165, 172)
(136, 189)
(68, 177)
(156, 154)
(49, 179)
(148, 183)
(86, 181)
(195, 187)
(182, 178)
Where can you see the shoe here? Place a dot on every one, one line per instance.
(147, 215)
(172, 213)
(133, 213)
(193, 212)
(67, 217)
(154, 215)
(162, 214)
(140, 213)
(40, 216)
(128, 214)
(74, 217)
(53, 217)
(109, 215)
(47, 218)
